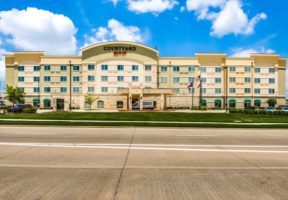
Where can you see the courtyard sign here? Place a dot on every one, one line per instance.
(119, 50)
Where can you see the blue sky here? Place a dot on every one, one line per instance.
(175, 27)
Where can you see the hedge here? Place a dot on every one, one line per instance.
(258, 112)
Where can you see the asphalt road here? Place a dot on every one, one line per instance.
(143, 163)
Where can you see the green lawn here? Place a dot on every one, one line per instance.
(151, 116)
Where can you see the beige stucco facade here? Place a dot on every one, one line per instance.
(121, 73)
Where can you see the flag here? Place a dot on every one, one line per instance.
(198, 78)
(190, 85)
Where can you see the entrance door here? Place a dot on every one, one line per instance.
(60, 104)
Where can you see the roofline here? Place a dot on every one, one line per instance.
(116, 42)
(210, 54)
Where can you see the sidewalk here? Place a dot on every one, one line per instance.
(141, 122)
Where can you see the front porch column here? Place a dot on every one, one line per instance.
(130, 101)
(162, 102)
(141, 101)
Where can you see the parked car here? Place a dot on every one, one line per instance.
(19, 108)
(260, 108)
(270, 108)
(147, 105)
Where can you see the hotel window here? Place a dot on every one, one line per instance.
(104, 89)
(21, 79)
(163, 79)
(190, 79)
(203, 80)
(257, 91)
(36, 79)
(232, 79)
(218, 90)
(247, 69)
(202, 69)
(271, 91)
(176, 69)
(47, 78)
(47, 67)
(91, 78)
(135, 78)
(76, 89)
(120, 104)
(177, 90)
(63, 78)
(203, 90)
(247, 80)
(257, 80)
(163, 68)
(120, 67)
(232, 90)
(91, 89)
(191, 90)
(91, 67)
(104, 67)
(257, 70)
(217, 80)
(191, 69)
(76, 78)
(36, 89)
(247, 90)
(135, 68)
(100, 104)
(148, 78)
(63, 67)
(271, 80)
(22, 89)
(176, 79)
(218, 69)
(148, 67)
(104, 78)
(36, 68)
(120, 78)
(21, 68)
(63, 89)
(76, 68)
(232, 69)
(271, 70)
(47, 89)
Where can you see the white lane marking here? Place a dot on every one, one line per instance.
(61, 166)
(50, 145)
(197, 135)
(143, 145)
(35, 133)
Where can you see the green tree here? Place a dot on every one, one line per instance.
(272, 102)
(90, 99)
(15, 95)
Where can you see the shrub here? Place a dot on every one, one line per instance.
(29, 110)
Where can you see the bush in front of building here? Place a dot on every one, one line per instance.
(29, 110)
(258, 112)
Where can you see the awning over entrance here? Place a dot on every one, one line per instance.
(232, 100)
(145, 91)
(247, 100)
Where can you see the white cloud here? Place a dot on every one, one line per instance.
(115, 2)
(182, 9)
(115, 31)
(35, 29)
(2, 67)
(227, 16)
(202, 7)
(242, 52)
(152, 6)
(232, 19)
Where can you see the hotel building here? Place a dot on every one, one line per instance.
(121, 73)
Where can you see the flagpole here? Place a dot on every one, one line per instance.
(200, 99)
